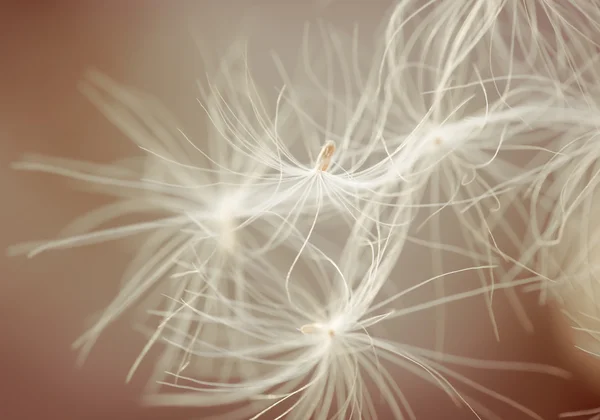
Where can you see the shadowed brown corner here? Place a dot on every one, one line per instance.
(45, 302)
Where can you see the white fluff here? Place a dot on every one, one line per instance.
(268, 267)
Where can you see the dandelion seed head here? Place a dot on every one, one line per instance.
(325, 156)
(318, 328)
(337, 326)
(227, 221)
(440, 140)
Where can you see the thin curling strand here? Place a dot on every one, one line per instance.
(593, 414)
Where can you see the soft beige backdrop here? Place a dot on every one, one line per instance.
(45, 47)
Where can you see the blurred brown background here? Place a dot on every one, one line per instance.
(45, 47)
